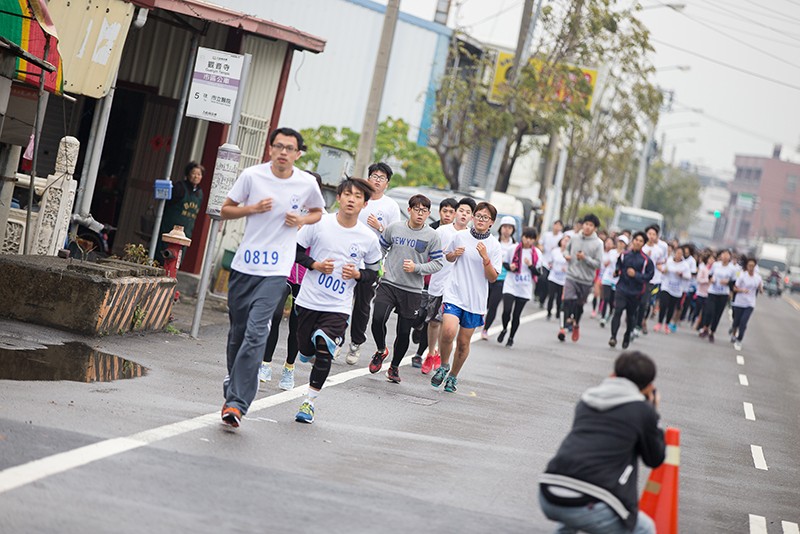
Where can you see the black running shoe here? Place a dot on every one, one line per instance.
(626, 341)
(502, 336)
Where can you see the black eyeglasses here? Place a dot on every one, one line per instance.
(421, 210)
(288, 148)
(378, 177)
(482, 217)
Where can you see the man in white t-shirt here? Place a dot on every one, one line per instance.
(325, 300)
(477, 259)
(380, 212)
(658, 250)
(271, 197)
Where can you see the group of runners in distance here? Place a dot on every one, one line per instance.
(443, 281)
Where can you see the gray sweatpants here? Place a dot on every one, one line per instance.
(251, 303)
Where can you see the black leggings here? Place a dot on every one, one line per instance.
(277, 317)
(667, 307)
(740, 318)
(629, 305)
(380, 316)
(607, 304)
(712, 313)
(517, 303)
(554, 292)
(495, 296)
(322, 364)
(699, 304)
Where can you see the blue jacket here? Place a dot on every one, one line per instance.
(632, 286)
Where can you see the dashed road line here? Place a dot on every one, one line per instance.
(740, 360)
(749, 414)
(790, 528)
(743, 380)
(758, 457)
(793, 303)
(758, 524)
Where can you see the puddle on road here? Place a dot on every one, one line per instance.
(73, 361)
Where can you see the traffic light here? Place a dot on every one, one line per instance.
(717, 214)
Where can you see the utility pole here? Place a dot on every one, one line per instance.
(641, 176)
(521, 58)
(366, 143)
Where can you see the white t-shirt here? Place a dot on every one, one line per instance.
(467, 287)
(658, 253)
(718, 274)
(268, 247)
(558, 267)
(329, 239)
(609, 265)
(520, 284)
(690, 282)
(549, 243)
(751, 284)
(385, 209)
(439, 279)
(677, 272)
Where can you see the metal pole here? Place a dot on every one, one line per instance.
(559, 182)
(37, 132)
(210, 252)
(176, 132)
(641, 176)
(76, 209)
(520, 60)
(366, 143)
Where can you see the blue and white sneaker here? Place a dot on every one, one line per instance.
(306, 413)
(287, 379)
(439, 375)
(264, 372)
(451, 384)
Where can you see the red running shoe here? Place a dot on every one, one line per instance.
(377, 360)
(427, 365)
(437, 360)
(393, 374)
(576, 333)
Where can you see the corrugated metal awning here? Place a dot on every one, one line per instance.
(248, 23)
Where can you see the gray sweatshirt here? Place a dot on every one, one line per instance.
(422, 246)
(582, 271)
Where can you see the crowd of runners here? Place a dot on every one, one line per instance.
(354, 267)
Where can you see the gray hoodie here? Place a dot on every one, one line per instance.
(610, 393)
(582, 271)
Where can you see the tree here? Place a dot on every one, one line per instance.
(418, 165)
(674, 193)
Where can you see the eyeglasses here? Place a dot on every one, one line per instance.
(288, 148)
(421, 210)
(482, 217)
(378, 177)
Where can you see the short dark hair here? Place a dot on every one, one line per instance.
(289, 132)
(449, 202)
(748, 260)
(348, 184)
(383, 167)
(488, 207)
(192, 165)
(419, 200)
(592, 218)
(655, 227)
(466, 201)
(636, 367)
(530, 232)
(318, 177)
(639, 234)
(558, 221)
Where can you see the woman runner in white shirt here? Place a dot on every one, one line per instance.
(557, 277)
(676, 271)
(747, 286)
(521, 263)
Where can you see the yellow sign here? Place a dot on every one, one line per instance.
(562, 89)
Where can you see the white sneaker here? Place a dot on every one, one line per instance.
(353, 354)
(287, 379)
(338, 351)
(737, 346)
(264, 372)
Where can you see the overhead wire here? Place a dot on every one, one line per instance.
(727, 123)
(769, 15)
(752, 34)
(746, 19)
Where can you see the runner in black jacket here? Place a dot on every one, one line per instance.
(590, 485)
(635, 269)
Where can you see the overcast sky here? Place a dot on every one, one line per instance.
(760, 113)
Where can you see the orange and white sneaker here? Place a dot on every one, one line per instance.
(231, 416)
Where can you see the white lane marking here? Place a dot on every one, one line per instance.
(758, 524)
(743, 380)
(749, 414)
(740, 360)
(790, 528)
(20, 475)
(758, 457)
(499, 328)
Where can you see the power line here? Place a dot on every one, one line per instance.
(728, 65)
(768, 15)
(778, 41)
(728, 124)
(746, 19)
(496, 14)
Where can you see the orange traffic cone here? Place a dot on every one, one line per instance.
(660, 496)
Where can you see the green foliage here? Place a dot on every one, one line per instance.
(138, 254)
(419, 165)
(604, 212)
(674, 193)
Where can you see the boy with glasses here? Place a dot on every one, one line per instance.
(412, 251)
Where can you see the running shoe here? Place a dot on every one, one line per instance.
(437, 361)
(264, 372)
(576, 333)
(377, 360)
(287, 379)
(231, 416)
(502, 335)
(703, 333)
(626, 341)
(562, 334)
(393, 374)
(594, 314)
(510, 342)
(416, 361)
(602, 322)
(673, 327)
(306, 413)
(353, 354)
(612, 342)
(711, 337)
(666, 330)
(484, 335)
(637, 332)
(427, 365)
(733, 339)
(549, 316)
(644, 329)
(338, 351)
(657, 327)
(737, 345)
(451, 384)
(439, 375)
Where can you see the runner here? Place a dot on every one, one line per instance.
(635, 270)
(584, 253)
(748, 285)
(557, 277)
(326, 293)
(477, 260)
(549, 241)
(721, 273)
(523, 264)
(658, 252)
(412, 250)
(607, 267)
(270, 196)
(707, 259)
(676, 271)
(507, 243)
(378, 214)
(433, 307)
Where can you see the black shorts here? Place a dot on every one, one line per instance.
(405, 303)
(312, 323)
(432, 308)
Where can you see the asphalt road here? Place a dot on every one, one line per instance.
(149, 455)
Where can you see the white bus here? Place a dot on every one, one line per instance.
(635, 219)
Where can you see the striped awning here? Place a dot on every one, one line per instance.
(27, 24)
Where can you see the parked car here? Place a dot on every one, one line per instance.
(794, 279)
